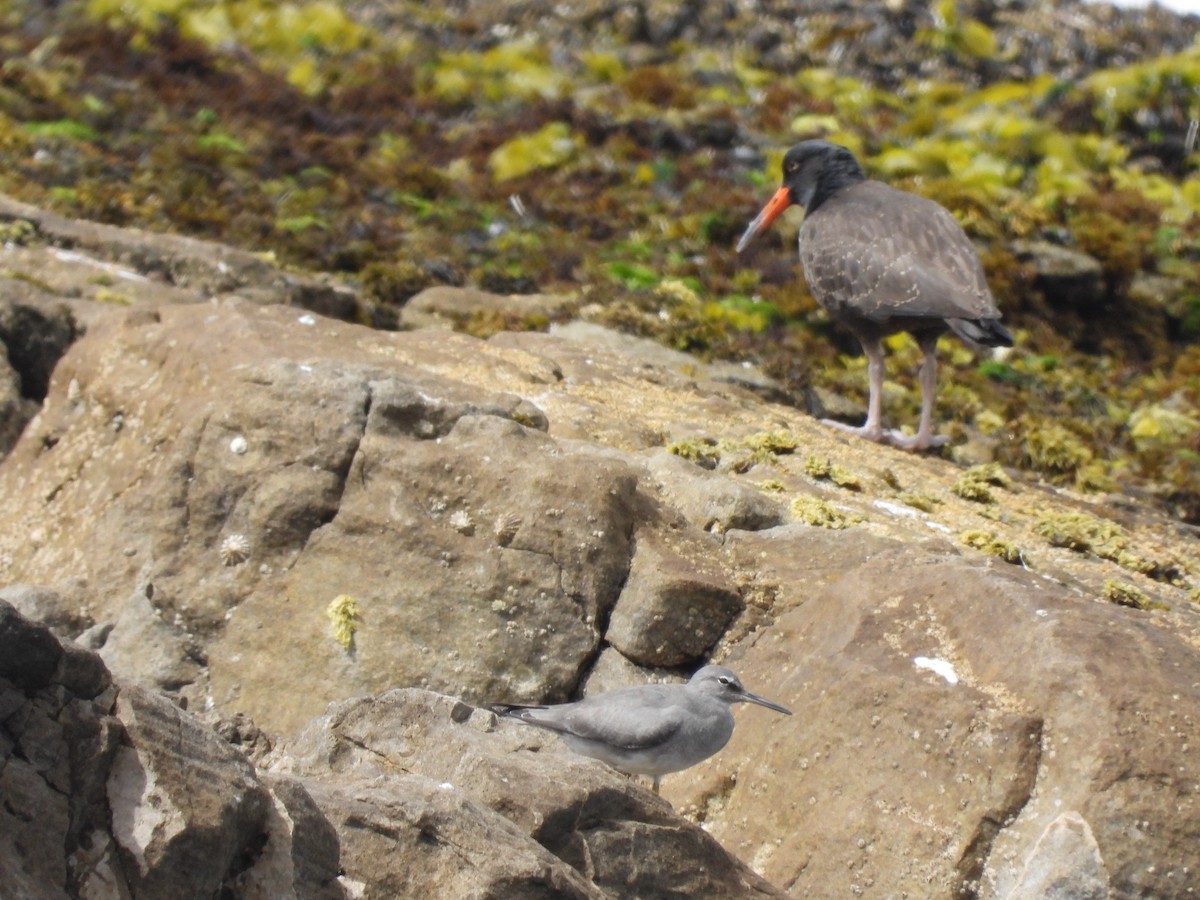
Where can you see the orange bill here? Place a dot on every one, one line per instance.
(776, 205)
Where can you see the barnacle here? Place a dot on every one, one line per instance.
(505, 528)
(235, 549)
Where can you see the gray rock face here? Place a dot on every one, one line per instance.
(424, 783)
(113, 791)
(1064, 864)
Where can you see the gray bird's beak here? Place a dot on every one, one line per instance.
(763, 701)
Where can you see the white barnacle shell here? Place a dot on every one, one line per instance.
(460, 521)
(235, 549)
(506, 527)
(238, 445)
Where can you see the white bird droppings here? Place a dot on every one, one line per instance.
(938, 667)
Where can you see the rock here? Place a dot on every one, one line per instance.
(412, 836)
(186, 808)
(611, 670)
(445, 306)
(45, 605)
(15, 410)
(141, 644)
(111, 791)
(674, 606)
(415, 783)
(967, 699)
(475, 508)
(1067, 277)
(713, 501)
(141, 265)
(1064, 864)
(34, 334)
(482, 553)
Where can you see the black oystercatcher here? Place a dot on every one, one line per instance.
(881, 260)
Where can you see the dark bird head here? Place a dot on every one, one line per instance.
(813, 171)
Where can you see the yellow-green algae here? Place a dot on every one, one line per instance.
(973, 483)
(704, 452)
(918, 500)
(1125, 594)
(824, 470)
(343, 616)
(988, 542)
(815, 511)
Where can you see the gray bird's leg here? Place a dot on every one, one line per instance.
(872, 429)
(924, 438)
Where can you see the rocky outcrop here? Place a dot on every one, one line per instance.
(260, 511)
(964, 709)
(418, 784)
(113, 791)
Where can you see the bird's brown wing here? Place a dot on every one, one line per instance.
(877, 253)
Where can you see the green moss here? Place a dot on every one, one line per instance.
(815, 511)
(770, 443)
(547, 148)
(703, 452)
(824, 470)
(509, 72)
(1053, 450)
(917, 500)
(973, 483)
(394, 283)
(975, 491)
(67, 129)
(343, 616)
(987, 542)
(772, 486)
(104, 295)
(1124, 594)
(1082, 533)
(18, 232)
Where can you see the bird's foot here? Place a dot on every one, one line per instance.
(916, 441)
(869, 432)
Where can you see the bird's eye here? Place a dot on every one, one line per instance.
(724, 680)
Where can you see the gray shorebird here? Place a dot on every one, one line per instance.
(881, 260)
(651, 729)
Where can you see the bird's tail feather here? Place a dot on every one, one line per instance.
(988, 332)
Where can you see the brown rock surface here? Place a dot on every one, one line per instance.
(207, 478)
(455, 785)
(113, 791)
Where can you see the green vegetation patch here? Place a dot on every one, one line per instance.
(973, 483)
(1124, 594)
(343, 616)
(987, 542)
(703, 451)
(815, 511)
(824, 470)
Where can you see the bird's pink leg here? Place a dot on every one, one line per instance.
(924, 438)
(872, 429)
